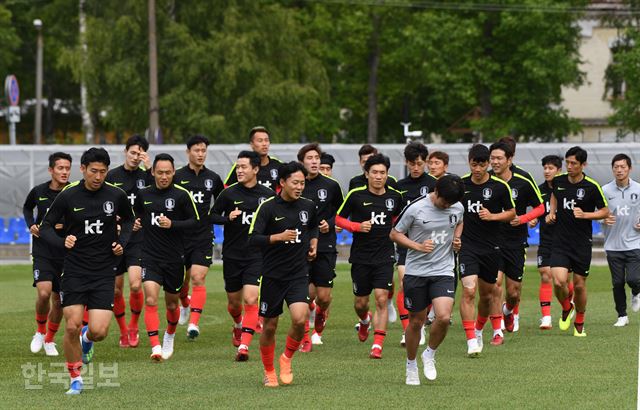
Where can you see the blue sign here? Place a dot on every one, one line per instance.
(12, 90)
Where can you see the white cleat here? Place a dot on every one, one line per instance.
(403, 340)
(193, 331)
(429, 367)
(413, 377)
(423, 337)
(516, 322)
(393, 313)
(50, 349)
(316, 339)
(37, 342)
(156, 354)
(473, 350)
(635, 302)
(546, 323)
(167, 345)
(479, 339)
(184, 315)
(622, 321)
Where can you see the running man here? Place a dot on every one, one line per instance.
(259, 139)
(438, 164)
(326, 164)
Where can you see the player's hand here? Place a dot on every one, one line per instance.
(484, 214)
(137, 225)
(338, 229)
(457, 244)
(637, 225)
(533, 223)
(234, 214)
(365, 226)
(515, 221)
(610, 220)
(578, 213)
(312, 253)
(144, 158)
(116, 248)
(551, 218)
(164, 222)
(324, 226)
(59, 226)
(70, 241)
(427, 246)
(35, 231)
(289, 235)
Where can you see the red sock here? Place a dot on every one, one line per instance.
(267, 353)
(306, 338)
(312, 305)
(480, 321)
(516, 309)
(236, 314)
(74, 369)
(469, 326)
(41, 321)
(579, 317)
(185, 300)
(291, 346)
(545, 293)
(402, 311)
(152, 322)
(198, 299)
(136, 302)
(85, 317)
(118, 312)
(320, 314)
(378, 337)
(566, 304)
(249, 322)
(51, 332)
(570, 289)
(496, 322)
(172, 320)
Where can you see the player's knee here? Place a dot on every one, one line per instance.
(135, 286)
(73, 327)
(415, 322)
(443, 319)
(171, 305)
(99, 333)
(579, 287)
(151, 301)
(468, 294)
(117, 292)
(43, 295)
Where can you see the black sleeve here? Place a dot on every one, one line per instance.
(257, 236)
(125, 212)
(54, 214)
(27, 208)
(506, 201)
(189, 209)
(231, 176)
(314, 231)
(337, 201)
(345, 208)
(216, 214)
(219, 186)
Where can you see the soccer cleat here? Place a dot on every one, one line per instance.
(319, 322)
(376, 352)
(270, 379)
(393, 313)
(316, 339)
(167, 345)
(87, 348)
(363, 329)
(124, 341)
(243, 353)
(516, 322)
(37, 342)
(565, 323)
(403, 341)
(50, 349)
(473, 350)
(497, 340)
(479, 339)
(635, 302)
(546, 323)
(423, 337)
(193, 331)
(156, 354)
(184, 315)
(286, 376)
(306, 346)
(579, 334)
(75, 388)
(429, 367)
(134, 337)
(413, 377)
(507, 319)
(236, 336)
(622, 321)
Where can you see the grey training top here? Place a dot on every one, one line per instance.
(422, 220)
(624, 203)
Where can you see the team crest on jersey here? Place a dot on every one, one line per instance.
(170, 203)
(486, 193)
(322, 194)
(580, 193)
(274, 173)
(108, 208)
(140, 183)
(390, 204)
(208, 183)
(634, 198)
(36, 274)
(261, 200)
(424, 190)
(514, 193)
(453, 220)
(304, 217)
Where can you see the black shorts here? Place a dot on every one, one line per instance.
(544, 256)
(576, 260)
(365, 278)
(238, 273)
(47, 270)
(93, 291)
(401, 256)
(169, 275)
(513, 263)
(273, 293)
(198, 253)
(322, 270)
(420, 291)
(131, 257)
(485, 265)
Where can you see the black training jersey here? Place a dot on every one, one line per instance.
(373, 247)
(236, 233)
(586, 195)
(524, 195)
(361, 180)
(130, 182)
(91, 217)
(413, 188)
(524, 173)
(546, 230)
(204, 188)
(284, 260)
(495, 196)
(327, 194)
(174, 202)
(267, 175)
(40, 198)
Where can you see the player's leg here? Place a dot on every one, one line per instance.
(299, 317)
(306, 346)
(416, 299)
(53, 324)
(198, 275)
(580, 301)
(560, 276)
(71, 344)
(267, 350)
(362, 288)
(185, 299)
(489, 306)
(443, 305)
(512, 300)
(234, 307)
(43, 308)
(545, 292)
(136, 303)
(119, 308)
(498, 293)
(151, 283)
(250, 293)
(617, 265)
(468, 311)
(322, 280)
(402, 311)
(380, 319)
(172, 303)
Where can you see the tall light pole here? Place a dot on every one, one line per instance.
(37, 132)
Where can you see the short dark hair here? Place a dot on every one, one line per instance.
(441, 155)
(415, 150)
(578, 152)
(285, 170)
(621, 157)
(56, 156)
(510, 141)
(327, 159)
(450, 188)
(197, 139)
(254, 158)
(138, 140)
(554, 160)
(377, 159)
(257, 129)
(367, 149)
(94, 154)
(314, 146)
(163, 157)
(479, 153)
(503, 146)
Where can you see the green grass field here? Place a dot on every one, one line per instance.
(533, 369)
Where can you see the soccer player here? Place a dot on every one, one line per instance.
(430, 228)
(131, 177)
(166, 211)
(487, 202)
(576, 201)
(286, 228)
(259, 139)
(371, 210)
(47, 261)
(90, 208)
(552, 166)
(511, 142)
(234, 208)
(204, 186)
(366, 151)
(327, 195)
(326, 164)
(438, 164)
(622, 236)
(415, 185)
(524, 194)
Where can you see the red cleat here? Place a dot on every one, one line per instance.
(376, 352)
(243, 354)
(306, 346)
(124, 341)
(497, 340)
(508, 320)
(320, 322)
(363, 329)
(236, 336)
(134, 338)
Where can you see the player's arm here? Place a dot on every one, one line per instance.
(535, 202)
(217, 213)
(189, 212)
(398, 234)
(508, 207)
(344, 212)
(457, 235)
(601, 205)
(27, 212)
(313, 234)
(127, 219)
(54, 214)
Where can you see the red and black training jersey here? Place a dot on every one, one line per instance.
(327, 194)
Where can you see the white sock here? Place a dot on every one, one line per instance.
(412, 364)
(430, 353)
(85, 338)
(498, 332)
